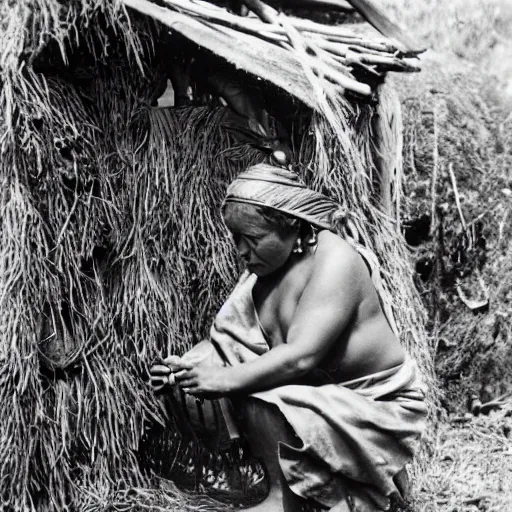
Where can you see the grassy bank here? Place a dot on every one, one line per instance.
(457, 115)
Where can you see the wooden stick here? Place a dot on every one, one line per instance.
(374, 46)
(457, 197)
(389, 63)
(376, 17)
(435, 172)
(336, 62)
(264, 11)
(272, 37)
(338, 5)
(194, 8)
(363, 49)
(311, 26)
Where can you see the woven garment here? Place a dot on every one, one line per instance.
(355, 441)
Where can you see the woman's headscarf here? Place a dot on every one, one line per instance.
(281, 190)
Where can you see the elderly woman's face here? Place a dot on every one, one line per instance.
(263, 248)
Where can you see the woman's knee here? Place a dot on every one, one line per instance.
(254, 411)
(264, 422)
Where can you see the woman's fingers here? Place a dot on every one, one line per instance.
(158, 382)
(172, 360)
(159, 369)
(183, 366)
(158, 378)
(187, 379)
(183, 374)
(171, 371)
(175, 363)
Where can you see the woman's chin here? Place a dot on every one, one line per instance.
(261, 270)
(256, 268)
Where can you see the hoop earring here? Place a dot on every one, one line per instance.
(297, 249)
(314, 238)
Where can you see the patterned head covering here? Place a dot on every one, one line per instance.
(280, 189)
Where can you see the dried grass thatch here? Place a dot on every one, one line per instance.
(112, 249)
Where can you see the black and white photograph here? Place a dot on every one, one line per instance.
(255, 255)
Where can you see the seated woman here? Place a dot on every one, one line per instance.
(329, 399)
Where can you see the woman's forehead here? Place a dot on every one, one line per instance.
(242, 217)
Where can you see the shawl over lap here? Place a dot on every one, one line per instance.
(354, 441)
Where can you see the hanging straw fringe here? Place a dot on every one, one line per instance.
(388, 143)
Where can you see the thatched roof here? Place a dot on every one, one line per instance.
(305, 58)
(315, 62)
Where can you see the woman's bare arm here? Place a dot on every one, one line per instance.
(325, 310)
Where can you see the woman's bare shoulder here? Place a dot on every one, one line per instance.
(333, 248)
(337, 262)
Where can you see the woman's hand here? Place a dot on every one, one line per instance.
(159, 376)
(162, 372)
(203, 381)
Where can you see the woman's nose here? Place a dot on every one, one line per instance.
(243, 248)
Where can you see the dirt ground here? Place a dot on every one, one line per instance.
(471, 466)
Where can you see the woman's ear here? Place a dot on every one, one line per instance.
(293, 226)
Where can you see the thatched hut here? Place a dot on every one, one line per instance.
(112, 250)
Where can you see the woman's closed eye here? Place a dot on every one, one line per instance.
(253, 239)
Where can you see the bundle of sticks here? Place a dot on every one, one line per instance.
(331, 52)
